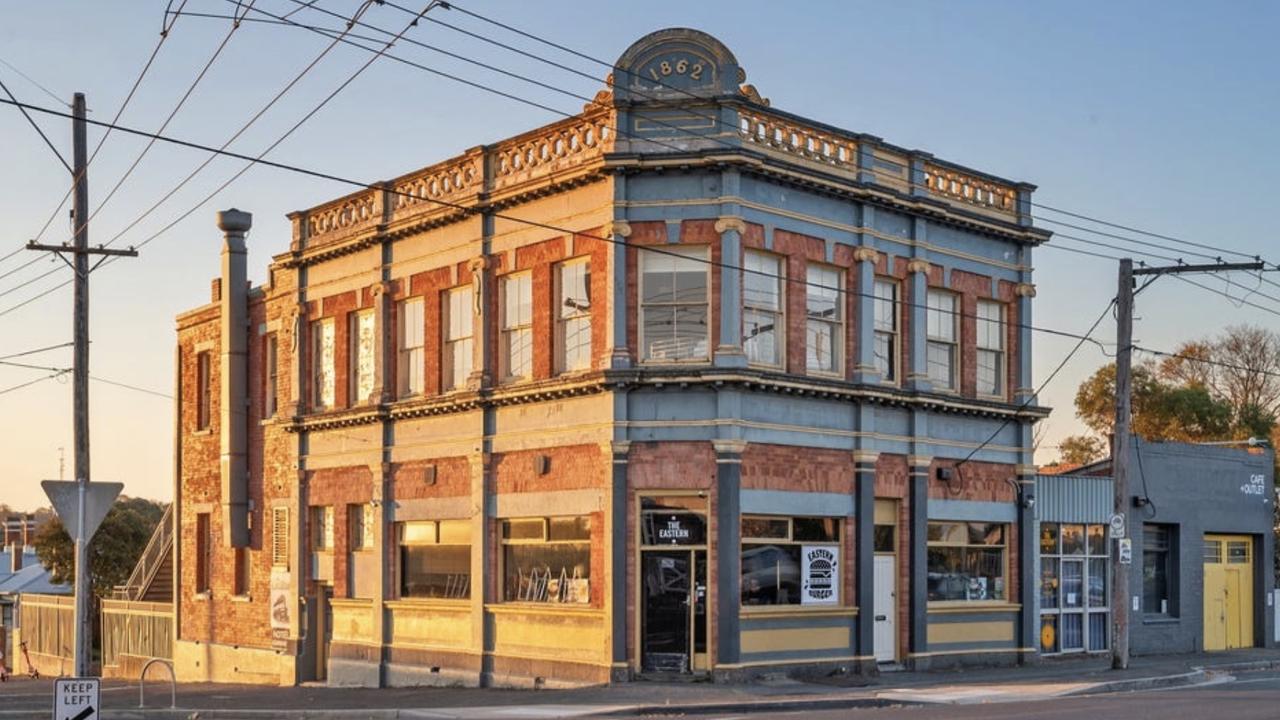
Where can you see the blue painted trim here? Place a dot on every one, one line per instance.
(972, 510)
(787, 502)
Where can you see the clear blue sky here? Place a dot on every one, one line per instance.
(1160, 115)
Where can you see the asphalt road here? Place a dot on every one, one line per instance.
(1253, 696)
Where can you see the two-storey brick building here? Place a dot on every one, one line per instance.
(679, 384)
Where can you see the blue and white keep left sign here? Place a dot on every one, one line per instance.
(76, 699)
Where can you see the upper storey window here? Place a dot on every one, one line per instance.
(204, 391)
(824, 325)
(517, 326)
(409, 356)
(991, 364)
(322, 359)
(271, 351)
(762, 324)
(673, 304)
(940, 329)
(573, 316)
(362, 357)
(885, 310)
(457, 337)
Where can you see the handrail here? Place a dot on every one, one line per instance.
(151, 559)
(142, 684)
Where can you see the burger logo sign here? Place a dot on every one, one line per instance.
(820, 575)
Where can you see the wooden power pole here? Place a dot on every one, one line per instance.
(1121, 454)
(80, 252)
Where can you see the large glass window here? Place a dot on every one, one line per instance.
(990, 357)
(673, 304)
(573, 327)
(790, 560)
(763, 331)
(457, 337)
(940, 347)
(322, 359)
(1073, 587)
(824, 325)
(885, 310)
(517, 326)
(547, 560)
(410, 360)
(435, 559)
(1158, 573)
(322, 528)
(360, 343)
(966, 561)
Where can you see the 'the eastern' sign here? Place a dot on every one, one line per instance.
(76, 699)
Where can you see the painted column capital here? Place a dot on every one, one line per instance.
(1027, 290)
(621, 228)
(918, 461)
(865, 457)
(619, 449)
(864, 253)
(729, 450)
(918, 265)
(382, 288)
(729, 222)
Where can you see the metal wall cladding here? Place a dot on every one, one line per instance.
(1074, 499)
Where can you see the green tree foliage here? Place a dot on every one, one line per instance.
(1162, 410)
(114, 550)
(1082, 449)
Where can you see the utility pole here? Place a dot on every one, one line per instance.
(1121, 602)
(80, 252)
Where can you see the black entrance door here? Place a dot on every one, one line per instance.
(667, 603)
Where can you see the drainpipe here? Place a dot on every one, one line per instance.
(233, 410)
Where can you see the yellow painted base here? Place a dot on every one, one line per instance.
(204, 662)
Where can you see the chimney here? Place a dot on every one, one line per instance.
(233, 302)
(29, 530)
(14, 528)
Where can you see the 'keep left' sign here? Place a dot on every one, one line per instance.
(76, 699)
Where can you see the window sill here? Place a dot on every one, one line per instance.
(543, 608)
(241, 599)
(202, 433)
(962, 606)
(205, 596)
(770, 611)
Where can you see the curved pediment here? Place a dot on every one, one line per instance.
(674, 64)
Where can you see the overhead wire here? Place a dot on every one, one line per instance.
(34, 82)
(57, 153)
(166, 28)
(36, 351)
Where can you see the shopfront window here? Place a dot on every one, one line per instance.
(547, 560)
(435, 559)
(790, 560)
(1073, 587)
(966, 561)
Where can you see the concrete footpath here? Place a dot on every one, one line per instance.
(21, 698)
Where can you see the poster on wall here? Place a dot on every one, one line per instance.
(819, 575)
(281, 607)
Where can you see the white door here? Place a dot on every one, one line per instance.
(886, 610)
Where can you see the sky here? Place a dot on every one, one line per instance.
(1156, 115)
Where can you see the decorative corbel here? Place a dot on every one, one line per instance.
(864, 253)
(1025, 290)
(916, 265)
(621, 228)
(729, 222)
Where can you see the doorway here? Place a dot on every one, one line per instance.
(673, 585)
(1228, 592)
(324, 631)
(885, 538)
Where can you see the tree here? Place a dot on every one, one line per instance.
(115, 548)
(1162, 410)
(1082, 450)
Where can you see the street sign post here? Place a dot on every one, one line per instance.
(76, 699)
(81, 506)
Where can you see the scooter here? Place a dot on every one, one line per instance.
(32, 672)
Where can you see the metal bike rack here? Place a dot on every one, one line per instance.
(142, 683)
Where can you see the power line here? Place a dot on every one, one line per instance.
(19, 386)
(1032, 398)
(38, 130)
(127, 386)
(36, 351)
(56, 371)
(1205, 361)
(32, 80)
(716, 119)
(166, 28)
(41, 276)
(282, 138)
(504, 216)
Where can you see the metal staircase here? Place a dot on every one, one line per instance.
(152, 578)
